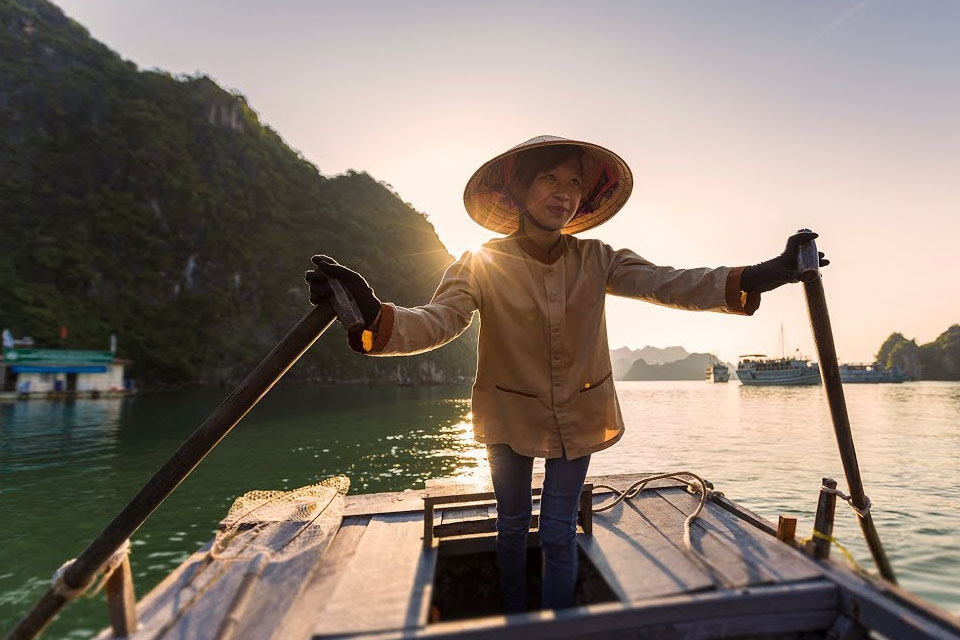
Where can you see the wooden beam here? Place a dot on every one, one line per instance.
(121, 600)
(884, 607)
(793, 608)
(743, 513)
(823, 523)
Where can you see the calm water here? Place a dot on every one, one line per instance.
(67, 468)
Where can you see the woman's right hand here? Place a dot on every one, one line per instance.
(353, 282)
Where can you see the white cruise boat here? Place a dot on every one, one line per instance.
(759, 370)
(717, 373)
(871, 373)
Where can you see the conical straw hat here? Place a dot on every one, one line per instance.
(607, 184)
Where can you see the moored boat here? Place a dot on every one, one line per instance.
(717, 373)
(759, 370)
(871, 373)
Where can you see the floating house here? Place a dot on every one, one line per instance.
(41, 373)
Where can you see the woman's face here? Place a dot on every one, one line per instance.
(554, 195)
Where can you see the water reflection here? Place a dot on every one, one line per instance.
(67, 468)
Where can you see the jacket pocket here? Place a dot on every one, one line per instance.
(519, 393)
(590, 386)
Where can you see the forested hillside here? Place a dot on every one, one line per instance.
(937, 360)
(163, 210)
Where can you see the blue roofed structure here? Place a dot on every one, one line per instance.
(34, 373)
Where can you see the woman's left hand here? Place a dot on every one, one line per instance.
(780, 270)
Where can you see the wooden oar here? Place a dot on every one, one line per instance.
(809, 264)
(256, 385)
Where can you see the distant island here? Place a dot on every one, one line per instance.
(690, 368)
(624, 357)
(937, 360)
(654, 363)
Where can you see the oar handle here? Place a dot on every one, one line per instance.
(808, 259)
(348, 313)
(830, 373)
(181, 463)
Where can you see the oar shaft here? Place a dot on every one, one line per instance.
(180, 464)
(830, 373)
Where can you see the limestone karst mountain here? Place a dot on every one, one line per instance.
(164, 210)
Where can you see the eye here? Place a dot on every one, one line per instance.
(575, 182)
(549, 177)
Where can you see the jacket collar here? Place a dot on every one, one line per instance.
(538, 253)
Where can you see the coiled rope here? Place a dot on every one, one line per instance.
(699, 485)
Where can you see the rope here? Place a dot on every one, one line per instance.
(65, 591)
(60, 586)
(705, 493)
(849, 500)
(843, 549)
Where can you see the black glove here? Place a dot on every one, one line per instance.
(779, 271)
(352, 281)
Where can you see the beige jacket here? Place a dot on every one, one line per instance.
(544, 382)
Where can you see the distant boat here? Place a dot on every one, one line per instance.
(759, 370)
(717, 373)
(871, 373)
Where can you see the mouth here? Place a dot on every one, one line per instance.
(557, 210)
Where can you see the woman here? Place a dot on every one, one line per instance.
(543, 386)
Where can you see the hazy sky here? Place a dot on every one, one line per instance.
(742, 121)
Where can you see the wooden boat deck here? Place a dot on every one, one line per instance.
(374, 577)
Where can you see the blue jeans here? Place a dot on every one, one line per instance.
(562, 484)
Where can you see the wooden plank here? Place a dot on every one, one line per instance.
(121, 600)
(465, 513)
(231, 623)
(412, 500)
(202, 610)
(282, 581)
(371, 503)
(721, 557)
(458, 485)
(305, 614)
(635, 548)
(756, 611)
(763, 556)
(387, 584)
(744, 514)
(199, 608)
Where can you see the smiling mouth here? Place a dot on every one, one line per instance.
(560, 211)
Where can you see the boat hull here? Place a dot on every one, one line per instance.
(752, 379)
